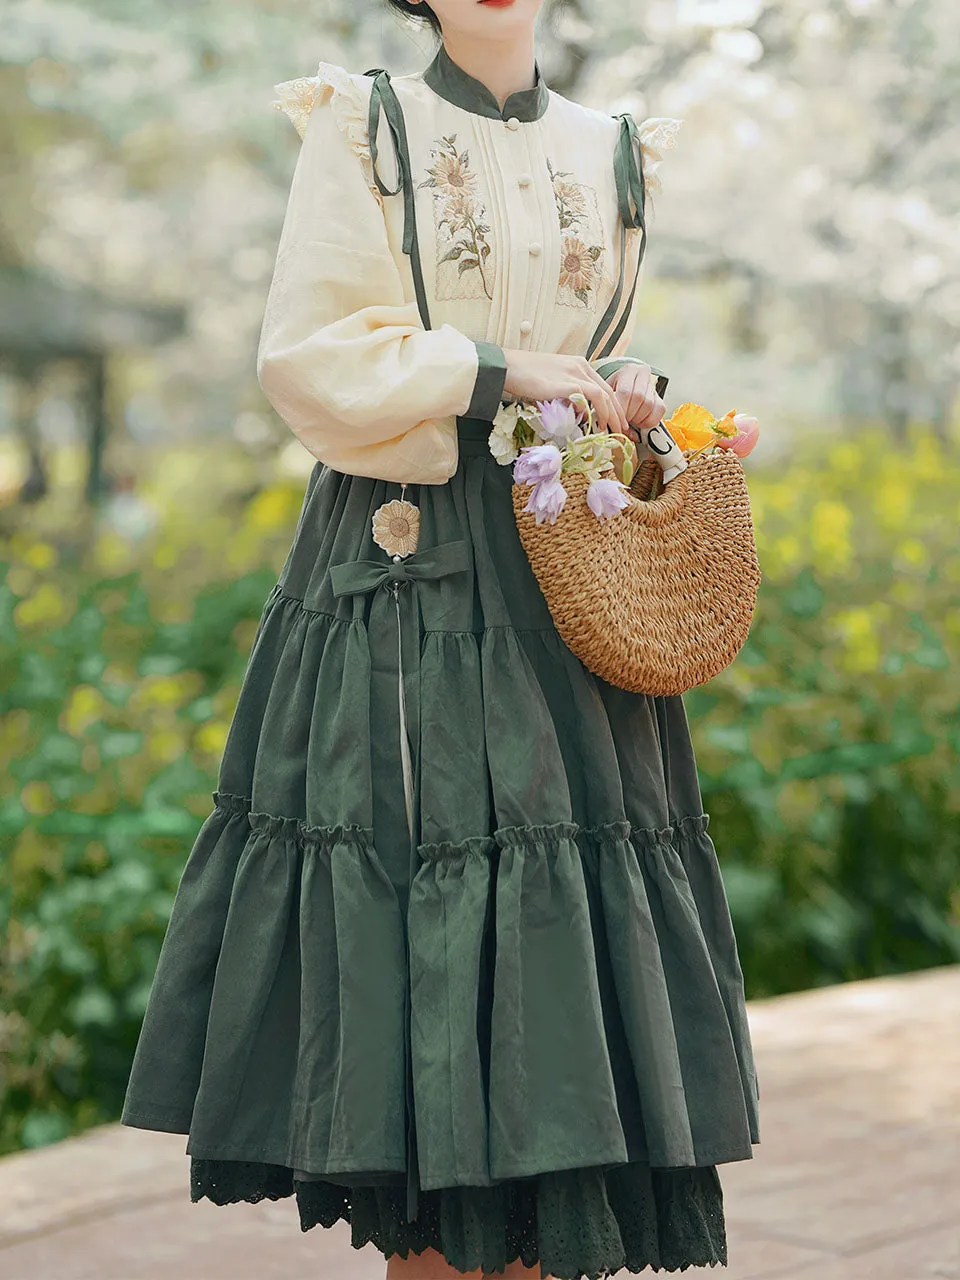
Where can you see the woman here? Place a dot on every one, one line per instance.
(451, 957)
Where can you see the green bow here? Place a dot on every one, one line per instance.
(430, 562)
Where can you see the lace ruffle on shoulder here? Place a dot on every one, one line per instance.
(333, 84)
(657, 135)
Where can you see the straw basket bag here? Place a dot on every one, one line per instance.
(660, 597)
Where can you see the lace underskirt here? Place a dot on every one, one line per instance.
(576, 1223)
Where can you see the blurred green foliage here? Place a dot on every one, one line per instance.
(829, 751)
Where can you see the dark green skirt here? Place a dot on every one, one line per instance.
(483, 995)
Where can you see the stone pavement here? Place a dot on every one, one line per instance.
(857, 1176)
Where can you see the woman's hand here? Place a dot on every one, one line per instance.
(540, 375)
(635, 387)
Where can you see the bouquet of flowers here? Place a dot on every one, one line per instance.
(546, 438)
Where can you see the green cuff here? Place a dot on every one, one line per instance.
(608, 367)
(488, 388)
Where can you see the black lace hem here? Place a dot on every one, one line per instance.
(578, 1224)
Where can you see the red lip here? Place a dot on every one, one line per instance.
(498, 4)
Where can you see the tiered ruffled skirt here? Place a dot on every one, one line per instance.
(547, 1009)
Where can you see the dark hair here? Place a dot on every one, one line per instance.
(421, 12)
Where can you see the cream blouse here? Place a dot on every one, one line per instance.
(404, 268)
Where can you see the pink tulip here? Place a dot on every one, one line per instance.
(748, 429)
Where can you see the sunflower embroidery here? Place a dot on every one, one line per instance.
(580, 266)
(396, 527)
(462, 228)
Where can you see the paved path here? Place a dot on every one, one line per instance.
(857, 1176)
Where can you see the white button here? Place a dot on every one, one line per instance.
(513, 123)
(524, 179)
(526, 326)
(535, 247)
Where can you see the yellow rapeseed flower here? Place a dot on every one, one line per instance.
(47, 605)
(165, 747)
(165, 556)
(830, 523)
(912, 551)
(271, 509)
(845, 457)
(164, 691)
(892, 502)
(212, 737)
(85, 705)
(861, 642)
(112, 551)
(37, 798)
(783, 554)
(41, 555)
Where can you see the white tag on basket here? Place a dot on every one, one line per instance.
(660, 444)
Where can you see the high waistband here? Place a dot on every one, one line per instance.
(472, 436)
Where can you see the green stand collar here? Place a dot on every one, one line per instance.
(451, 82)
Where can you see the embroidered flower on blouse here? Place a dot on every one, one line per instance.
(579, 262)
(451, 172)
(396, 527)
(578, 266)
(571, 204)
(461, 211)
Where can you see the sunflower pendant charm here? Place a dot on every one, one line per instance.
(396, 526)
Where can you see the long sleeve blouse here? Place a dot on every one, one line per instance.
(425, 235)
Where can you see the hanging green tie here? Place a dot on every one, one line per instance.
(383, 98)
(631, 196)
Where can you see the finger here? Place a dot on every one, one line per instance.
(615, 418)
(620, 419)
(633, 405)
(603, 400)
(599, 402)
(652, 411)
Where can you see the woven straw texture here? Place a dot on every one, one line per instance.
(661, 597)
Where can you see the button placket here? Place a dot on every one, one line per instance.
(534, 246)
(526, 248)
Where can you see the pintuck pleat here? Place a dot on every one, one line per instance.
(549, 1000)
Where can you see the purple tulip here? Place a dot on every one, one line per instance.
(546, 500)
(558, 421)
(606, 498)
(537, 462)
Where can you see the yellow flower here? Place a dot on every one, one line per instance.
(396, 527)
(84, 707)
(45, 607)
(37, 798)
(212, 737)
(41, 555)
(725, 426)
(690, 425)
(830, 524)
(271, 509)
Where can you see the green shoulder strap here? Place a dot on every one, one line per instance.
(631, 196)
(383, 98)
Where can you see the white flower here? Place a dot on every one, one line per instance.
(502, 443)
